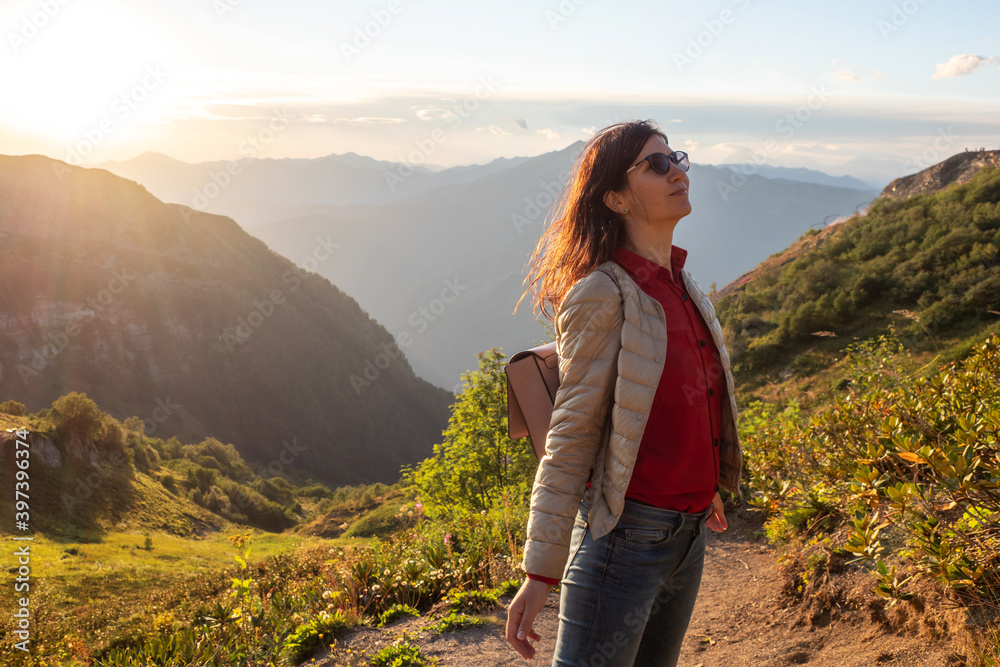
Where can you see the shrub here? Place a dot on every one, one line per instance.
(396, 611)
(403, 654)
(477, 461)
(902, 461)
(12, 408)
(453, 622)
(77, 416)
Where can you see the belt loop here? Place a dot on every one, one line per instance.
(702, 520)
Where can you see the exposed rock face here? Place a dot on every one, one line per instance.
(956, 169)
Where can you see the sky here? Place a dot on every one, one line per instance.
(874, 89)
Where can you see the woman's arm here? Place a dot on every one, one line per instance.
(588, 327)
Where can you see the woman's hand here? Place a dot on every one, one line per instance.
(521, 615)
(717, 521)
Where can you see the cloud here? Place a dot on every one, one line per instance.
(373, 120)
(548, 133)
(690, 145)
(960, 65)
(433, 113)
(358, 120)
(520, 123)
(589, 131)
(495, 129)
(676, 120)
(846, 74)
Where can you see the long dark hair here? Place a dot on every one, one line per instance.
(584, 232)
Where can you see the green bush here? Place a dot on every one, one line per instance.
(403, 654)
(396, 611)
(475, 602)
(12, 408)
(382, 521)
(453, 622)
(77, 416)
(477, 463)
(903, 462)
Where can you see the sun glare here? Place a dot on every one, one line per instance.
(78, 74)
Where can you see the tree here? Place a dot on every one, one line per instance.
(12, 408)
(477, 461)
(78, 415)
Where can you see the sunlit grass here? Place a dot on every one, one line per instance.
(106, 585)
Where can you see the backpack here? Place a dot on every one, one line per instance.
(532, 382)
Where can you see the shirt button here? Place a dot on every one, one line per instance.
(684, 297)
(702, 343)
(657, 359)
(716, 442)
(711, 392)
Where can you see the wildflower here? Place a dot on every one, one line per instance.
(483, 512)
(327, 595)
(447, 538)
(419, 507)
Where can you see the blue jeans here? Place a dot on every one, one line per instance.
(627, 598)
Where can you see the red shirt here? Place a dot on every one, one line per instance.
(677, 466)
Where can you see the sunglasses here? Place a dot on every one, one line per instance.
(660, 162)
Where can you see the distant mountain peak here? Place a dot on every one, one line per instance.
(959, 168)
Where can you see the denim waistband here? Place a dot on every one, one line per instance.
(639, 513)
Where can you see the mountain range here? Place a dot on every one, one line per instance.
(440, 257)
(183, 319)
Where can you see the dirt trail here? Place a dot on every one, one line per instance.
(747, 614)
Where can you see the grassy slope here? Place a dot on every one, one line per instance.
(104, 584)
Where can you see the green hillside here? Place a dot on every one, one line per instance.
(184, 319)
(927, 266)
(92, 475)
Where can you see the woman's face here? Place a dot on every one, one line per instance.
(656, 198)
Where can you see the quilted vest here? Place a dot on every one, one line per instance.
(611, 355)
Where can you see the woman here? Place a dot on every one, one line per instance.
(644, 432)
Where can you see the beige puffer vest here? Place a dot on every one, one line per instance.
(611, 344)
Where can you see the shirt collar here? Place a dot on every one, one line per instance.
(646, 271)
